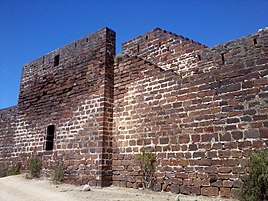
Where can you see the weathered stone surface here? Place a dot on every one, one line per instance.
(201, 110)
(210, 191)
(188, 103)
(175, 189)
(66, 88)
(225, 192)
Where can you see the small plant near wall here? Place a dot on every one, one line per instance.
(147, 161)
(58, 174)
(35, 167)
(14, 169)
(3, 171)
(255, 186)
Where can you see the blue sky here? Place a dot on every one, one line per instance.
(32, 28)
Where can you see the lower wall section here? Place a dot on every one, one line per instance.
(8, 118)
(208, 180)
(78, 142)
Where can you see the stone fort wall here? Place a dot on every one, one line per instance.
(69, 89)
(201, 110)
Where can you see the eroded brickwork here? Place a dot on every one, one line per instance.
(165, 49)
(8, 119)
(201, 110)
(69, 88)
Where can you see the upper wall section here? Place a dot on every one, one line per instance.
(187, 57)
(162, 48)
(6, 113)
(68, 72)
(73, 54)
(228, 53)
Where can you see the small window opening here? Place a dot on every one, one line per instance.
(87, 40)
(56, 60)
(222, 58)
(159, 44)
(199, 57)
(138, 48)
(50, 137)
(255, 41)
(146, 37)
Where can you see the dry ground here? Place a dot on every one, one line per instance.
(17, 188)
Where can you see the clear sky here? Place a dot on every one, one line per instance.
(32, 28)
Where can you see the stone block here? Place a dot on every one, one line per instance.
(185, 190)
(175, 189)
(251, 134)
(225, 192)
(210, 191)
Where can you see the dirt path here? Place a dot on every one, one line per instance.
(17, 188)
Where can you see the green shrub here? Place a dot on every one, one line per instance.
(147, 164)
(3, 171)
(35, 167)
(14, 169)
(255, 186)
(58, 174)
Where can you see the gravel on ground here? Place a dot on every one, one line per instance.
(18, 188)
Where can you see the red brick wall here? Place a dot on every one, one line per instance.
(165, 49)
(8, 118)
(202, 115)
(201, 110)
(75, 96)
